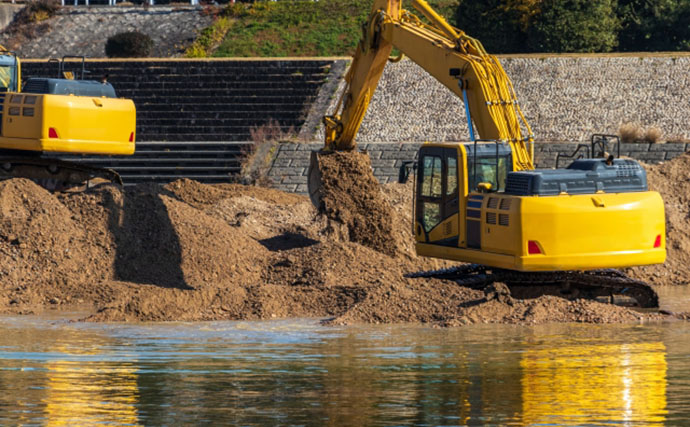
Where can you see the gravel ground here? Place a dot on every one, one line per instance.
(563, 98)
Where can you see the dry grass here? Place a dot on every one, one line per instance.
(271, 131)
(653, 135)
(258, 157)
(632, 132)
(30, 22)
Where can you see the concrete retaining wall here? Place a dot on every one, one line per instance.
(289, 169)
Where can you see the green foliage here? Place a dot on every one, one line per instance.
(575, 26)
(497, 24)
(333, 27)
(209, 38)
(654, 25)
(301, 28)
(131, 44)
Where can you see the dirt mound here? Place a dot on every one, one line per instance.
(351, 196)
(189, 251)
(672, 181)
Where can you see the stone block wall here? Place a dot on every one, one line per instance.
(564, 98)
(289, 169)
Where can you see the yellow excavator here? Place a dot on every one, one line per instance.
(483, 202)
(60, 115)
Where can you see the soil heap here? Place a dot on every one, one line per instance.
(190, 251)
(672, 181)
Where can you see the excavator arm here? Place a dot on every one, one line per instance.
(456, 60)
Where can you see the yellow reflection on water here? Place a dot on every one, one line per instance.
(79, 393)
(594, 384)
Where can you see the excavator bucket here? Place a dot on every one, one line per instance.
(314, 179)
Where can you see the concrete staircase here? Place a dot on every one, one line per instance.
(195, 117)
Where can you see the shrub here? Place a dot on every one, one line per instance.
(28, 22)
(653, 135)
(630, 132)
(131, 44)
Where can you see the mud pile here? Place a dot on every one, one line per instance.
(189, 251)
(672, 181)
(352, 201)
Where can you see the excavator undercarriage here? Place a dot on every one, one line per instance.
(51, 173)
(608, 284)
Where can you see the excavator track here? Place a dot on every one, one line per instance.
(590, 284)
(53, 174)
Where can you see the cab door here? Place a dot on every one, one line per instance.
(438, 198)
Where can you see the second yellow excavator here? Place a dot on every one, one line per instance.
(60, 115)
(483, 202)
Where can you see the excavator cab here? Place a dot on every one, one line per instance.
(446, 175)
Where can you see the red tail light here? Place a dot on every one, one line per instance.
(533, 248)
(657, 242)
(52, 133)
(131, 137)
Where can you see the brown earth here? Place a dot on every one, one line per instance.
(672, 181)
(190, 251)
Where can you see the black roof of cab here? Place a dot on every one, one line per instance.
(69, 87)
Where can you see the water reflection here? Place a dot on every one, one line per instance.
(79, 393)
(291, 373)
(594, 384)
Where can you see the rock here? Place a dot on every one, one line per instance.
(498, 291)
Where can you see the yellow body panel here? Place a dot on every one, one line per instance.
(573, 232)
(84, 125)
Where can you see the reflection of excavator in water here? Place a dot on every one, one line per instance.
(59, 115)
(483, 202)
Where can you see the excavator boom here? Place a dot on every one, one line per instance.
(456, 60)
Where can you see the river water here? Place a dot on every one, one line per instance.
(297, 372)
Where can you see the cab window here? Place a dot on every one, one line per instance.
(7, 83)
(431, 181)
(452, 179)
(432, 190)
(488, 171)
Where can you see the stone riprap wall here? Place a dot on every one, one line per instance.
(289, 169)
(563, 99)
(85, 30)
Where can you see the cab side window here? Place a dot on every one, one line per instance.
(431, 181)
(452, 178)
(431, 189)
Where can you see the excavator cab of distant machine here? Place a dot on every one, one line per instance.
(483, 202)
(60, 115)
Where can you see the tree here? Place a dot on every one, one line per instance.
(575, 26)
(647, 25)
(499, 24)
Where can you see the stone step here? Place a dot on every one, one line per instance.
(210, 89)
(208, 100)
(264, 108)
(192, 98)
(149, 115)
(211, 122)
(196, 136)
